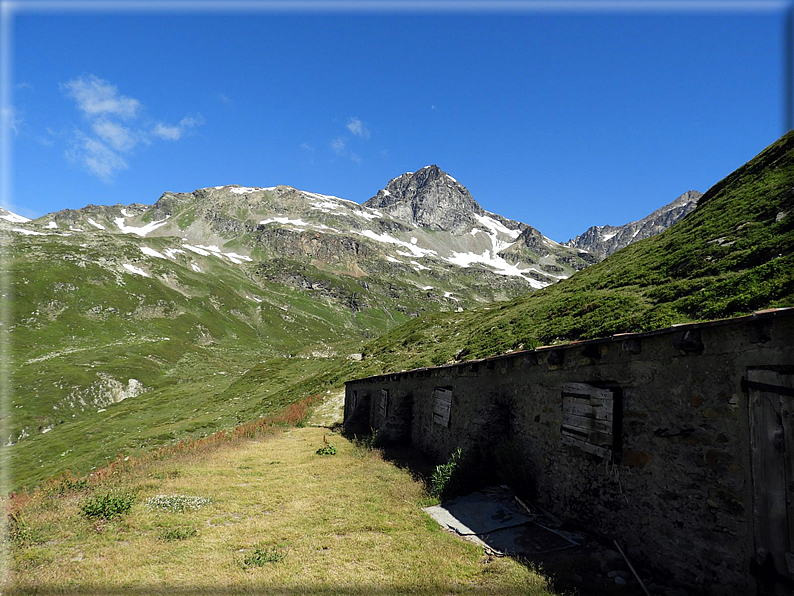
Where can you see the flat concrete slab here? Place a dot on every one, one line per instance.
(494, 519)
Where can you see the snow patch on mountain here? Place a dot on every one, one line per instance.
(99, 226)
(28, 232)
(284, 220)
(136, 270)
(497, 263)
(152, 253)
(369, 214)
(172, 252)
(496, 227)
(142, 230)
(196, 250)
(244, 190)
(386, 239)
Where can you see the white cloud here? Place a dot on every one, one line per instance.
(95, 156)
(224, 98)
(174, 133)
(169, 133)
(97, 97)
(357, 127)
(338, 145)
(116, 126)
(355, 157)
(117, 136)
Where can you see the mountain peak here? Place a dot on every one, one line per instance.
(428, 198)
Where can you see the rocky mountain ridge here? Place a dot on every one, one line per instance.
(602, 241)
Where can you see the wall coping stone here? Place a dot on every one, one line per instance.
(761, 315)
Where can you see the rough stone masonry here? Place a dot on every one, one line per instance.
(677, 443)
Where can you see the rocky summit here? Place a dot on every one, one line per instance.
(431, 198)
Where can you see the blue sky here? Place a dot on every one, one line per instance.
(561, 120)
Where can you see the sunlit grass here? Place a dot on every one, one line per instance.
(280, 519)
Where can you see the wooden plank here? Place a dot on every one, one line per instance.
(587, 423)
(442, 406)
(596, 438)
(595, 450)
(588, 411)
(771, 526)
(583, 389)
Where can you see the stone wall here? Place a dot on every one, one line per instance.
(676, 487)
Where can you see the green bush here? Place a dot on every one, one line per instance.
(263, 555)
(108, 505)
(327, 448)
(444, 475)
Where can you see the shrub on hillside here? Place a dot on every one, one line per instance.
(108, 505)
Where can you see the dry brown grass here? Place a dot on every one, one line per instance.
(349, 523)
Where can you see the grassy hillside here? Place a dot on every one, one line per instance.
(106, 359)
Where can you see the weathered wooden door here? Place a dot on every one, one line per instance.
(771, 396)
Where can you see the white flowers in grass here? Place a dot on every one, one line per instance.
(177, 503)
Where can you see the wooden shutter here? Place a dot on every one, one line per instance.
(442, 405)
(587, 418)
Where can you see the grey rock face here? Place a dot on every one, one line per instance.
(429, 198)
(604, 240)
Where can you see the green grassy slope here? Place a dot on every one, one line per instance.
(105, 360)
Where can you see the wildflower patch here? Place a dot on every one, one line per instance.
(177, 503)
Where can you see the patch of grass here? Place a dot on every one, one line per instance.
(379, 541)
(108, 505)
(21, 533)
(262, 555)
(176, 533)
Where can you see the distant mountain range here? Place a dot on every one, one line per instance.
(424, 220)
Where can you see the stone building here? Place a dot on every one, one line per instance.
(678, 443)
